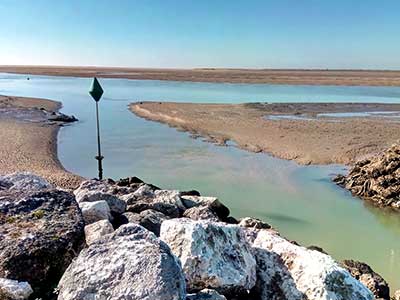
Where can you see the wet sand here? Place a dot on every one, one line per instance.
(307, 138)
(29, 141)
(270, 76)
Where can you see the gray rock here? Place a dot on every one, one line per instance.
(60, 117)
(40, 234)
(95, 190)
(167, 209)
(212, 202)
(213, 255)
(130, 263)
(253, 223)
(200, 213)
(23, 181)
(95, 231)
(373, 281)
(95, 211)
(149, 219)
(206, 294)
(14, 290)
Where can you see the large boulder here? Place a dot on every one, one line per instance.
(288, 271)
(131, 263)
(40, 234)
(23, 181)
(95, 211)
(373, 281)
(213, 255)
(14, 290)
(96, 190)
(376, 179)
(96, 231)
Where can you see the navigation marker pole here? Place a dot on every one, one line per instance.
(96, 92)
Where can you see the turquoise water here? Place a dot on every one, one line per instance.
(300, 201)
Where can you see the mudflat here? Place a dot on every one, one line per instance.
(309, 133)
(29, 140)
(270, 76)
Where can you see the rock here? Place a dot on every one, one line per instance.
(213, 255)
(190, 193)
(14, 290)
(373, 281)
(95, 231)
(95, 211)
(376, 179)
(130, 263)
(60, 117)
(288, 271)
(200, 213)
(253, 223)
(132, 217)
(40, 234)
(149, 219)
(396, 295)
(24, 181)
(206, 294)
(128, 181)
(167, 209)
(170, 197)
(212, 202)
(317, 248)
(231, 220)
(96, 190)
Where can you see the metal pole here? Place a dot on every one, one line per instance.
(99, 157)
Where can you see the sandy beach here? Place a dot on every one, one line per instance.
(29, 141)
(270, 76)
(289, 131)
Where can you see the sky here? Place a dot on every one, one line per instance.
(323, 34)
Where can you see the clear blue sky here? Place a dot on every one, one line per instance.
(205, 33)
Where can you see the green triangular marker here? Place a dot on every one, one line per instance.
(96, 90)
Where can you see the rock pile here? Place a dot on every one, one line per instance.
(146, 243)
(41, 231)
(376, 179)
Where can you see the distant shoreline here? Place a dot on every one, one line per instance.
(216, 75)
(28, 143)
(291, 131)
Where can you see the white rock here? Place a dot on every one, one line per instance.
(95, 190)
(24, 181)
(95, 211)
(131, 263)
(213, 255)
(147, 194)
(97, 230)
(170, 197)
(396, 295)
(301, 273)
(14, 290)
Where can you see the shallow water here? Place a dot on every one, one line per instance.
(300, 201)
